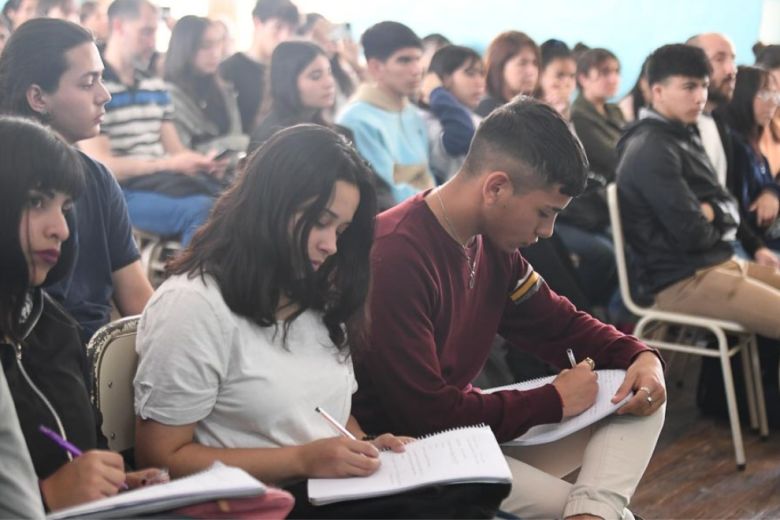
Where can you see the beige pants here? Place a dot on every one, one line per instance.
(736, 290)
(612, 456)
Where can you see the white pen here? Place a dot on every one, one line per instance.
(333, 422)
(572, 359)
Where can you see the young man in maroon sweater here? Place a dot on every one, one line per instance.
(447, 277)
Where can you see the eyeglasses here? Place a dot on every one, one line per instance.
(769, 95)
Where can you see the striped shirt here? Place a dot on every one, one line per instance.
(135, 114)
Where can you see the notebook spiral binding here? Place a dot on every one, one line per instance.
(448, 430)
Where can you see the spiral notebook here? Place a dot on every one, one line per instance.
(217, 482)
(460, 455)
(609, 382)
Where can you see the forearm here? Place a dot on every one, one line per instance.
(266, 464)
(354, 428)
(457, 125)
(131, 289)
(125, 168)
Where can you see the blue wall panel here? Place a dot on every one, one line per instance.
(630, 28)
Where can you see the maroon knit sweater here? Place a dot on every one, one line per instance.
(431, 334)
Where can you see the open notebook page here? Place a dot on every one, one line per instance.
(609, 382)
(219, 481)
(469, 454)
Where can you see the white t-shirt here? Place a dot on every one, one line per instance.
(201, 363)
(710, 138)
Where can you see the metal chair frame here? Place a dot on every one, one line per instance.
(744, 341)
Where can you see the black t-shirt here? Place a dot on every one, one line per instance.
(105, 244)
(248, 79)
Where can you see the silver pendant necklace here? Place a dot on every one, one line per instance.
(471, 263)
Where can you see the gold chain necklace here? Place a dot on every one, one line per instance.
(472, 263)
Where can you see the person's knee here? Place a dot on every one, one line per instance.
(194, 211)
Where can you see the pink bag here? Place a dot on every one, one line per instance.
(274, 504)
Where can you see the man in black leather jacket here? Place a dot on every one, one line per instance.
(678, 221)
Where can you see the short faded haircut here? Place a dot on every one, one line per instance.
(532, 143)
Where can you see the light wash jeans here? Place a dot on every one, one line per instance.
(168, 216)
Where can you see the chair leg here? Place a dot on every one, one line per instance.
(749, 377)
(731, 401)
(763, 423)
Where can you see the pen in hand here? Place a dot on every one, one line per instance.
(65, 445)
(333, 422)
(572, 359)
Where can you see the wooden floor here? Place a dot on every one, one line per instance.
(693, 473)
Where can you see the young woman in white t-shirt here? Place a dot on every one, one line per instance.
(255, 326)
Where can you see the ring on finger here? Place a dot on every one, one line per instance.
(591, 363)
(644, 389)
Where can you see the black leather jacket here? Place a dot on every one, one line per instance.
(663, 176)
(46, 375)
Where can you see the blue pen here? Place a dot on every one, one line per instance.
(65, 445)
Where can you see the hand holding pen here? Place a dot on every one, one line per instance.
(89, 476)
(342, 456)
(386, 441)
(573, 360)
(577, 386)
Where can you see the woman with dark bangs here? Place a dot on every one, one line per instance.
(42, 356)
(259, 318)
(512, 62)
(752, 107)
(302, 90)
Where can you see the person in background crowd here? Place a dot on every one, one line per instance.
(169, 188)
(389, 132)
(302, 89)
(583, 224)
(430, 44)
(557, 76)
(768, 57)
(51, 71)
(19, 11)
(205, 111)
(5, 32)
(334, 40)
(42, 357)
(751, 109)
(452, 89)
(512, 63)
(61, 9)
(94, 17)
(638, 99)
(598, 122)
(275, 21)
(678, 220)
(717, 139)
(713, 130)
(226, 39)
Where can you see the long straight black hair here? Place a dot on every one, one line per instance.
(34, 158)
(186, 39)
(288, 61)
(739, 112)
(256, 255)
